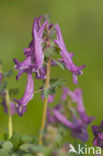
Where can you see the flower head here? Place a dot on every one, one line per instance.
(98, 133)
(67, 57)
(76, 97)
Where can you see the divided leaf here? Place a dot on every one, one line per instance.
(8, 73)
(55, 83)
(60, 64)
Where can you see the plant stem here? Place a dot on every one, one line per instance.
(45, 101)
(9, 114)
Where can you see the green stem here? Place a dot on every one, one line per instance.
(45, 101)
(10, 129)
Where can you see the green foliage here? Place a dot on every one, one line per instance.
(24, 145)
(60, 64)
(49, 52)
(25, 138)
(55, 83)
(3, 86)
(15, 139)
(8, 73)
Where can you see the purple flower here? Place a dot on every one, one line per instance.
(98, 133)
(77, 124)
(76, 96)
(77, 127)
(81, 132)
(67, 57)
(62, 119)
(28, 95)
(34, 53)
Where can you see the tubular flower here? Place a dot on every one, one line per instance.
(67, 57)
(77, 127)
(98, 133)
(28, 95)
(76, 96)
(34, 53)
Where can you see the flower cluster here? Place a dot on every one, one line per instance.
(46, 51)
(59, 114)
(36, 56)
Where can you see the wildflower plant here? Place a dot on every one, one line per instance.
(46, 50)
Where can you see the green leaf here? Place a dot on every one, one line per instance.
(3, 86)
(8, 73)
(60, 64)
(38, 148)
(15, 139)
(26, 147)
(20, 152)
(48, 91)
(32, 148)
(52, 89)
(8, 146)
(35, 139)
(25, 138)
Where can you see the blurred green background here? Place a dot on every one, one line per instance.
(81, 23)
